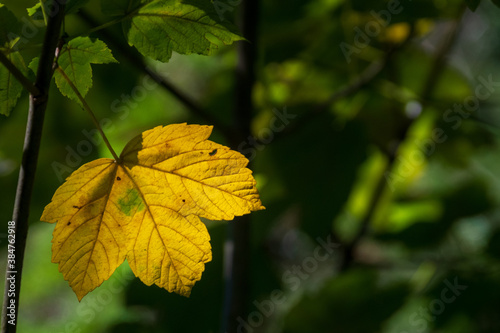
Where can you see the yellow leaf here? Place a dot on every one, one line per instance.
(145, 207)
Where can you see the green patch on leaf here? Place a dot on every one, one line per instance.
(131, 202)
(75, 59)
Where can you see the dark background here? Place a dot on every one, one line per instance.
(373, 159)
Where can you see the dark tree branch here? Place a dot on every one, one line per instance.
(427, 89)
(18, 75)
(37, 107)
(237, 259)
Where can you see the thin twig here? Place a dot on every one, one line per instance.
(36, 115)
(27, 84)
(87, 108)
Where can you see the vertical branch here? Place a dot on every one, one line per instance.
(37, 107)
(237, 248)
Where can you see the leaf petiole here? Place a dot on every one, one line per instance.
(87, 108)
(43, 12)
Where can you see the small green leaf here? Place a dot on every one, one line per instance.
(75, 59)
(472, 4)
(163, 26)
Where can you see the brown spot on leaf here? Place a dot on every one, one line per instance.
(118, 178)
(69, 223)
(213, 152)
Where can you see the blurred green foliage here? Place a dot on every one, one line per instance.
(366, 156)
